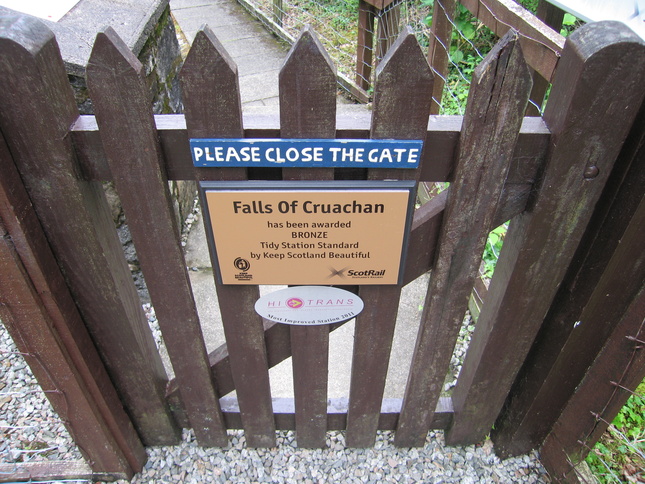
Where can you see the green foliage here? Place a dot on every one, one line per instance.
(619, 456)
(569, 24)
(493, 248)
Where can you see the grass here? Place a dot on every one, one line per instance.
(619, 455)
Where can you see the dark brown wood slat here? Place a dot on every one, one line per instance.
(308, 110)
(117, 84)
(589, 101)
(542, 386)
(213, 109)
(402, 99)
(25, 234)
(401, 110)
(598, 399)
(27, 321)
(48, 471)
(496, 104)
(440, 39)
(36, 110)
(285, 413)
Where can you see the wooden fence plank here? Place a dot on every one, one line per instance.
(609, 382)
(440, 39)
(41, 317)
(308, 110)
(120, 98)
(403, 73)
(37, 110)
(213, 109)
(595, 96)
(496, 104)
(51, 471)
(542, 45)
(543, 387)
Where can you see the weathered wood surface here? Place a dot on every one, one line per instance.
(595, 97)
(401, 99)
(49, 471)
(337, 409)
(308, 110)
(404, 69)
(542, 45)
(496, 104)
(543, 387)
(37, 109)
(40, 316)
(437, 164)
(440, 39)
(119, 92)
(211, 92)
(609, 382)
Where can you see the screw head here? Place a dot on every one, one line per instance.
(591, 172)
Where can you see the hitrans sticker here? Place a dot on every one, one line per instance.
(309, 305)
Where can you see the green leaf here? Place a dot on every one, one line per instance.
(457, 56)
(569, 19)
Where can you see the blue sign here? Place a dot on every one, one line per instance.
(301, 153)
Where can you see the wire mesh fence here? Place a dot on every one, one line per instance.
(357, 34)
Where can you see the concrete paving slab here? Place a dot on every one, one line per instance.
(133, 20)
(262, 85)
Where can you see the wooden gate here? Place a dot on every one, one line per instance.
(66, 288)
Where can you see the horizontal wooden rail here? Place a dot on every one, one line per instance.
(437, 159)
(284, 411)
(541, 44)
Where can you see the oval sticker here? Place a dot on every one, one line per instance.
(309, 305)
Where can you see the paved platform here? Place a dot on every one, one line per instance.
(258, 54)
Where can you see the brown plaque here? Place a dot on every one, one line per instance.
(325, 233)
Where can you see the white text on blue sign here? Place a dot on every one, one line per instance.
(336, 153)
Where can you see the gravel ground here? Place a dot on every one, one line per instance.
(32, 431)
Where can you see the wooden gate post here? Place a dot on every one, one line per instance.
(119, 94)
(595, 97)
(210, 87)
(616, 370)
(401, 109)
(41, 317)
(308, 110)
(563, 351)
(37, 110)
(496, 104)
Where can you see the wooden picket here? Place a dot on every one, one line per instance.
(553, 177)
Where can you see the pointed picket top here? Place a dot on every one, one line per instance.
(502, 77)
(29, 55)
(308, 90)
(403, 91)
(110, 54)
(210, 89)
